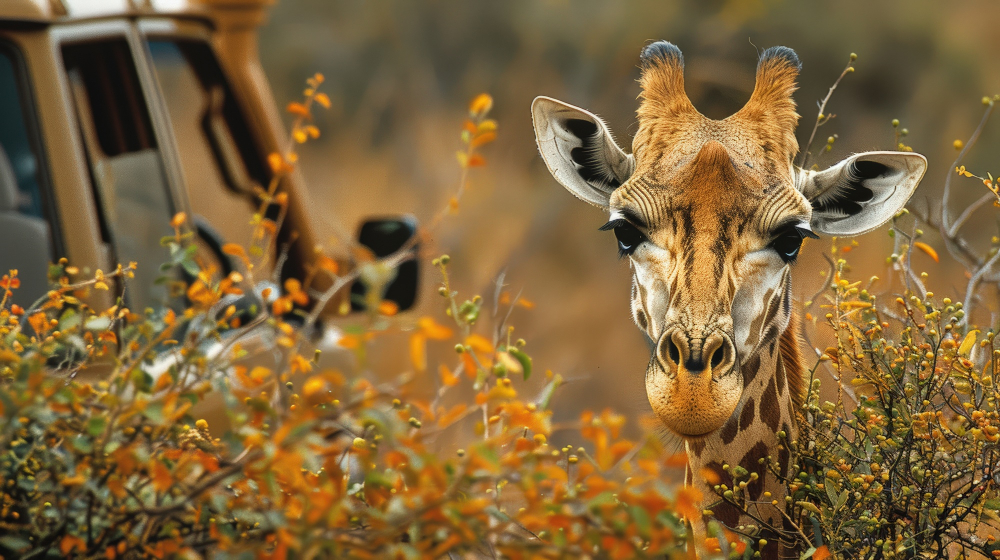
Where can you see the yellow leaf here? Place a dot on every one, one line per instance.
(489, 125)
(927, 249)
(967, 343)
(299, 135)
(323, 99)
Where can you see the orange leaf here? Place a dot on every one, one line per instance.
(469, 365)
(448, 379)
(476, 161)
(234, 249)
(688, 501)
(822, 553)
(928, 250)
(432, 330)
(162, 479)
(178, 219)
(388, 308)
(710, 476)
(70, 543)
(323, 99)
(483, 139)
(326, 263)
(418, 351)
(163, 382)
(452, 415)
(297, 109)
(479, 343)
(481, 104)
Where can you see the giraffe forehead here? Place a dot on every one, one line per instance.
(731, 210)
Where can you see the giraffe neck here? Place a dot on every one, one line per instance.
(773, 380)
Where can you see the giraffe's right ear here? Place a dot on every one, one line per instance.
(579, 150)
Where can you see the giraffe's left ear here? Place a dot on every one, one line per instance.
(861, 192)
(579, 150)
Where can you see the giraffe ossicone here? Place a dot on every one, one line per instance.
(711, 215)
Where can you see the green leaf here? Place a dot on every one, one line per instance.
(641, 520)
(190, 267)
(842, 499)
(524, 359)
(15, 543)
(96, 425)
(83, 444)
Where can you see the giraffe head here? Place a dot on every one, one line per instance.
(711, 215)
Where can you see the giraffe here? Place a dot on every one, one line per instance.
(711, 215)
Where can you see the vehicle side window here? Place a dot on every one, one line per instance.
(26, 240)
(219, 159)
(126, 166)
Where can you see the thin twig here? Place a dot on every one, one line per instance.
(822, 118)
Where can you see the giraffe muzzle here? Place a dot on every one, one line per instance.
(692, 383)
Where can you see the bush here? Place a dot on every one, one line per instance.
(314, 462)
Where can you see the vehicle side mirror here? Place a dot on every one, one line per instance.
(383, 237)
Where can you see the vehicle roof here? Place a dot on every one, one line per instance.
(60, 11)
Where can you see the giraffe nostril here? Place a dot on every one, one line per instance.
(717, 357)
(673, 351)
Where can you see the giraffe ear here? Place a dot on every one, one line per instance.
(861, 192)
(579, 150)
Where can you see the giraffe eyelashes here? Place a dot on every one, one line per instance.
(629, 238)
(788, 242)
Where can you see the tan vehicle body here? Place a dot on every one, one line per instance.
(42, 37)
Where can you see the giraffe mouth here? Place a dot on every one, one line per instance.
(693, 405)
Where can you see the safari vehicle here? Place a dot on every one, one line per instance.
(117, 114)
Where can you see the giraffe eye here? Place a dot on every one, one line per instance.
(787, 244)
(628, 237)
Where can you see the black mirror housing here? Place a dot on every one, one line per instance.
(383, 237)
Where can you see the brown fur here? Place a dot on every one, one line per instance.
(791, 358)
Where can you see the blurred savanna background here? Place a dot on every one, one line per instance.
(400, 73)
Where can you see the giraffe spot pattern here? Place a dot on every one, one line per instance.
(749, 370)
(770, 412)
(730, 429)
(748, 414)
(779, 375)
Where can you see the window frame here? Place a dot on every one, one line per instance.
(190, 30)
(33, 125)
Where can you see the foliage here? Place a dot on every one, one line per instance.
(105, 451)
(904, 463)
